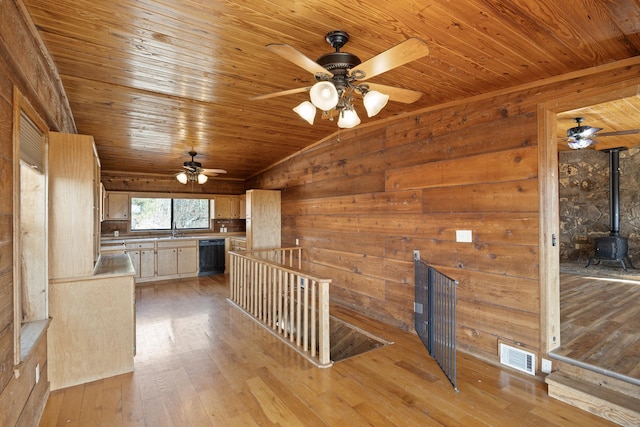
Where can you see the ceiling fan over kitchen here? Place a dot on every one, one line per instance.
(340, 75)
(194, 172)
(582, 136)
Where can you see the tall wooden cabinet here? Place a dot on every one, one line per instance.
(263, 219)
(74, 205)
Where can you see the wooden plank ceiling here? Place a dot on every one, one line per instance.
(150, 79)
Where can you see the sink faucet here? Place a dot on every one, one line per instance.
(174, 230)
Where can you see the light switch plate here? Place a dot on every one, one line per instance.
(464, 236)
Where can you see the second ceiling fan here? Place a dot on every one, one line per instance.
(582, 136)
(340, 75)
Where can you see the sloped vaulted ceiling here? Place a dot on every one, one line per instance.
(150, 79)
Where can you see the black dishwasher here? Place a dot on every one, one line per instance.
(211, 259)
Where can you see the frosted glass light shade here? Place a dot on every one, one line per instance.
(324, 95)
(577, 144)
(348, 119)
(307, 111)
(182, 178)
(374, 101)
(202, 178)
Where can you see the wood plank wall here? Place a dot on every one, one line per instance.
(24, 66)
(122, 181)
(362, 201)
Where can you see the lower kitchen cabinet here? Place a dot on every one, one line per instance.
(143, 257)
(167, 261)
(95, 339)
(163, 259)
(188, 260)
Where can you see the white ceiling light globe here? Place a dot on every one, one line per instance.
(324, 95)
(307, 111)
(182, 178)
(374, 101)
(202, 178)
(348, 119)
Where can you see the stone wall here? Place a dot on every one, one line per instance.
(584, 202)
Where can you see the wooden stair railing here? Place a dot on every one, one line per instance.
(269, 285)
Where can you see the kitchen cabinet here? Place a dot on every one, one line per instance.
(222, 207)
(116, 206)
(177, 257)
(143, 257)
(74, 205)
(226, 207)
(263, 219)
(243, 206)
(188, 260)
(92, 332)
(167, 261)
(237, 244)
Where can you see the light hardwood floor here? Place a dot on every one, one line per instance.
(201, 362)
(600, 320)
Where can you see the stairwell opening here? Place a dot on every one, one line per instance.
(348, 340)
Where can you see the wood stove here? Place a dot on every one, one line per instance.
(613, 247)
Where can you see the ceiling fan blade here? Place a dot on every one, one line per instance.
(213, 171)
(281, 93)
(397, 94)
(291, 54)
(402, 53)
(620, 132)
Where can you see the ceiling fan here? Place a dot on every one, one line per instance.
(194, 172)
(580, 136)
(339, 76)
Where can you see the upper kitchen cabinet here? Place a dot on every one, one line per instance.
(263, 219)
(74, 205)
(226, 207)
(243, 206)
(116, 206)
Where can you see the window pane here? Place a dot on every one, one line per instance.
(150, 213)
(191, 213)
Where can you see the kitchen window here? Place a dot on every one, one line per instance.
(155, 213)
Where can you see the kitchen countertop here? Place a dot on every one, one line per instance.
(114, 265)
(112, 240)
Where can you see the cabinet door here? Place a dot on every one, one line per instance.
(222, 207)
(147, 263)
(243, 207)
(117, 206)
(235, 207)
(135, 260)
(74, 220)
(167, 261)
(187, 260)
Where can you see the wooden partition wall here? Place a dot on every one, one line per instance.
(362, 200)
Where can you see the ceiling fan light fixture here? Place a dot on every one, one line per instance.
(324, 95)
(182, 178)
(579, 143)
(202, 178)
(374, 101)
(348, 119)
(307, 111)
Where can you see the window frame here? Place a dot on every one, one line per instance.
(172, 213)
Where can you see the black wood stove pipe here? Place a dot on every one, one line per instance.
(614, 190)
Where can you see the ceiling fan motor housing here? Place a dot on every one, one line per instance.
(338, 62)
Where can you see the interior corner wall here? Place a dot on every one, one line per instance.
(374, 194)
(24, 66)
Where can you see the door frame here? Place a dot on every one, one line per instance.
(549, 249)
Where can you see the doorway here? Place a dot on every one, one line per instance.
(552, 125)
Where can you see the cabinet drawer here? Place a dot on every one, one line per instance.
(140, 245)
(177, 243)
